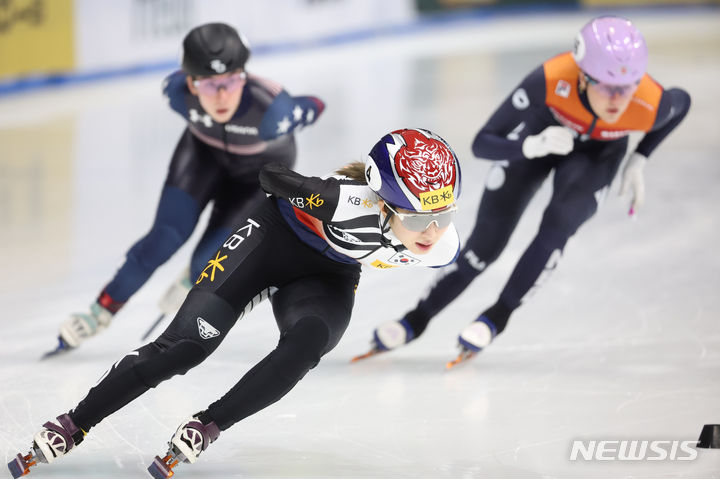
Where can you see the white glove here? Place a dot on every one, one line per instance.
(556, 140)
(634, 180)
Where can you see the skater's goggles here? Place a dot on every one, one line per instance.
(419, 222)
(607, 90)
(212, 85)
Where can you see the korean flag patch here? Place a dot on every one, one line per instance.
(403, 259)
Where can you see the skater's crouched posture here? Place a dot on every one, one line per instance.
(307, 243)
(237, 122)
(571, 117)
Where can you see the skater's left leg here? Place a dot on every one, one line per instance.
(312, 314)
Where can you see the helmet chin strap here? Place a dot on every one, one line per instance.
(384, 240)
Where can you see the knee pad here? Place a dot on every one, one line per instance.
(166, 361)
(157, 246)
(562, 220)
(304, 344)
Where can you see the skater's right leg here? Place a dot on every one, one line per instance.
(508, 190)
(185, 344)
(209, 311)
(180, 348)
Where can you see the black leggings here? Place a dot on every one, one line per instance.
(312, 307)
(580, 179)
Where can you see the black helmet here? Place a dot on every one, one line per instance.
(212, 49)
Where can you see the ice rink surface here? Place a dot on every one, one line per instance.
(623, 342)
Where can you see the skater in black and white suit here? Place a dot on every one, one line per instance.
(307, 243)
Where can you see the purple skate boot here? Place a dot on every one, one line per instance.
(52, 442)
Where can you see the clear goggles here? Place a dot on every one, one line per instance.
(419, 222)
(212, 85)
(610, 91)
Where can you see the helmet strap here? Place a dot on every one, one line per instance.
(384, 240)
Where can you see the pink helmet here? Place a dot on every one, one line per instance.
(611, 50)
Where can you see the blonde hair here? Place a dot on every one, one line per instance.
(354, 170)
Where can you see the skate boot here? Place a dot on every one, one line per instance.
(388, 336)
(476, 336)
(175, 294)
(52, 442)
(81, 326)
(191, 438)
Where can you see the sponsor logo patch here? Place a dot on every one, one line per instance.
(520, 99)
(357, 201)
(206, 330)
(562, 89)
(218, 66)
(241, 235)
(380, 265)
(196, 117)
(215, 263)
(241, 130)
(314, 201)
(431, 200)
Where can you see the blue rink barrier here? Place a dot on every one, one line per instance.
(431, 20)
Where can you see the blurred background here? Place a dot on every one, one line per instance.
(622, 343)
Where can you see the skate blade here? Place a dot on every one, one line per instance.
(464, 355)
(369, 354)
(61, 348)
(162, 468)
(152, 327)
(20, 466)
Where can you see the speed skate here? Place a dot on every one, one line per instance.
(464, 355)
(20, 466)
(162, 468)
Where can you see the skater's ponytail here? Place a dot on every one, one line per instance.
(354, 170)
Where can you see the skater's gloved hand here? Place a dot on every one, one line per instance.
(633, 180)
(556, 140)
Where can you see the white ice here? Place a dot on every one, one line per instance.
(623, 342)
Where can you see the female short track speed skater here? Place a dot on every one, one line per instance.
(570, 116)
(307, 241)
(236, 123)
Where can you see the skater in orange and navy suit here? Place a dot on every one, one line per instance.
(571, 116)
